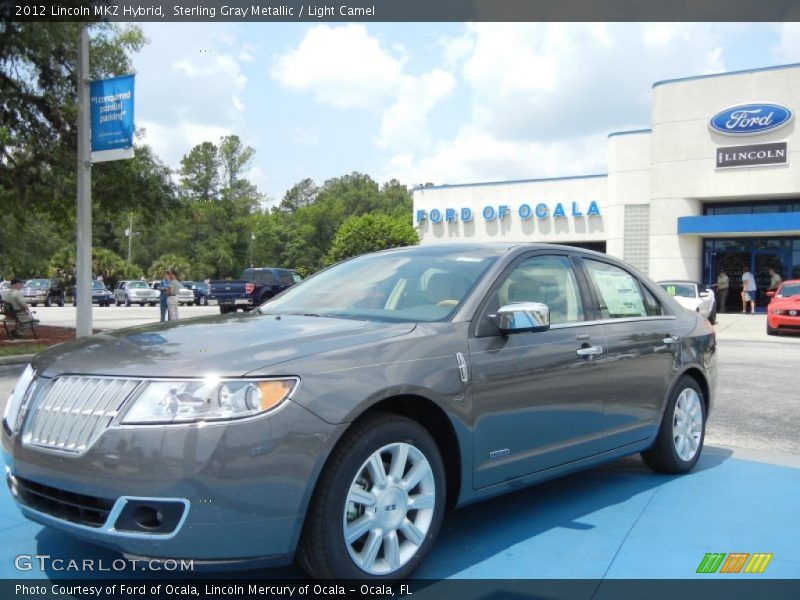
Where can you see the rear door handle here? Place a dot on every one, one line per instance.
(590, 351)
(671, 339)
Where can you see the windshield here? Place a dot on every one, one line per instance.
(38, 283)
(789, 289)
(683, 290)
(135, 285)
(98, 285)
(406, 286)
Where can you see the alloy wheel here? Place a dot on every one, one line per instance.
(389, 508)
(687, 424)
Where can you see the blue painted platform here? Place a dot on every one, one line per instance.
(618, 521)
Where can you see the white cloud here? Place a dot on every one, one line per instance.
(189, 87)
(343, 67)
(544, 97)
(346, 68)
(788, 50)
(405, 123)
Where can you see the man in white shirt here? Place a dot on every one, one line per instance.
(749, 291)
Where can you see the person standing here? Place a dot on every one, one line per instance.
(723, 285)
(749, 291)
(172, 295)
(162, 299)
(774, 280)
(15, 298)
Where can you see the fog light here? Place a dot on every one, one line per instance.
(148, 517)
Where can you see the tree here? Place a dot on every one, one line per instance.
(235, 158)
(369, 233)
(200, 172)
(299, 195)
(172, 262)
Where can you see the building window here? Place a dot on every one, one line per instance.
(636, 236)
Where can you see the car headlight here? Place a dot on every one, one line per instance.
(209, 399)
(19, 397)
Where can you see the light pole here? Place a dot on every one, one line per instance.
(130, 233)
(83, 323)
(252, 239)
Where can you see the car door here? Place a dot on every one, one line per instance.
(643, 345)
(537, 396)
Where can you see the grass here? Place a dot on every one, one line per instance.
(22, 348)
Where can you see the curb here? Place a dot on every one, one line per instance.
(19, 359)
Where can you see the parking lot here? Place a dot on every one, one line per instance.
(615, 521)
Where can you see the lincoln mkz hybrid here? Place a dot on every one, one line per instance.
(336, 423)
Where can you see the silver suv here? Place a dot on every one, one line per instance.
(134, 292)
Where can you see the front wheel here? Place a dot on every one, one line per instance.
(683, 428)
(378, 505)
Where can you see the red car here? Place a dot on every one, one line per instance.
(783, 312)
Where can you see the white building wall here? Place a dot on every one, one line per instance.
(684, 173)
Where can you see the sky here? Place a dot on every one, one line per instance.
(424, 102)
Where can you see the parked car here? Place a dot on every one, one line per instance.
(345, 415)
(693, 296)
(43, 291)
(256, 286)
(185, 295)
(4, 287)
(783, 312)
(200, 290)
(134, 292)
(101, 295)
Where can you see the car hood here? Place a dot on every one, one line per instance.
(224, 345)
(790, 302)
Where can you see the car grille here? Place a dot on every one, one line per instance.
(73, 412)
(76, 508)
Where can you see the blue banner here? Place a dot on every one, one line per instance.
(111, 103)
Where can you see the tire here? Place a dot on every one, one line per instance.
(127, 301)
(152, 303)
(223, 310)
(324, 552)
(668, 454)
(116, 301)
(48, 302)
(61, 302)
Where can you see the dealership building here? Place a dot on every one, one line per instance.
(713, 184)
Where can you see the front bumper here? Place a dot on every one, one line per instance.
(237, 491)
(146, 299)
(784, 322)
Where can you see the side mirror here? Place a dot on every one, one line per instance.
(771, 293)
(522, 316)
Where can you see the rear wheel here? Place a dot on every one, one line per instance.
(127, 301)
(48, 302)
(378, 505)
(683, 428)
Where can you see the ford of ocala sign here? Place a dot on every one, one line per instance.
(525, 211)
(750, 119)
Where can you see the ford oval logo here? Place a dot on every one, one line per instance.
(750, 119)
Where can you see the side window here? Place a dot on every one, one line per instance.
(652, 306)
(617, 291)
(546, 279)
(285, 277)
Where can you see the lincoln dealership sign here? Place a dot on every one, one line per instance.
(750, 119)
(525, 211)
(752, 156)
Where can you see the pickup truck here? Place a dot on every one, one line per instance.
(256, 285)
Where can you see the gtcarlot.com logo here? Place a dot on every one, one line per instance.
(45, 562)
(735, 562)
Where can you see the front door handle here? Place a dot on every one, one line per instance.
(672, 339)
(590, 351)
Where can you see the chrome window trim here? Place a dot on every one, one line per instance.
(606, 321)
